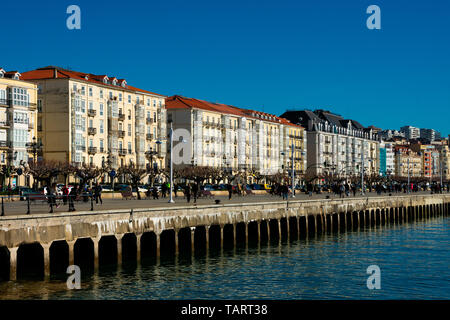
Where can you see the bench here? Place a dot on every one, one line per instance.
(127, 194)
(206, 193)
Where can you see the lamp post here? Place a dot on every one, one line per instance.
(34, 147)
(171, 162)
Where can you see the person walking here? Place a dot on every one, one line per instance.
(230, 191)
(72, 198)
(65, 192)
(195, 191)
(188, 193)
(163, 190)
(98, 193)
(155, 193)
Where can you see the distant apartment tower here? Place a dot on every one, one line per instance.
(389, 134)
(429, 134)
(98, 119)
(410, 132)
(336, 145)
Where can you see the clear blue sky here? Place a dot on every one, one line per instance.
(265, 55)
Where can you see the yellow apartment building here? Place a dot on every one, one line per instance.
(18, 117)
(98, 119)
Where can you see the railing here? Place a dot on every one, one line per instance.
(92, 131)
(121, 133)
(149, 136)
(92, 150)
(30, 125)
(122, 152)
(121, 116)
(4, 144)
(92, 112)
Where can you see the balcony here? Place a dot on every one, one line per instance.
(4, 144)
(122, 152)
(121, 133)
(5, 123)
(121, 116)
(92, 112)
(102, 150)
(92, 150)
(149, 136)
(149, 120)
(4, 102)
(92, 131)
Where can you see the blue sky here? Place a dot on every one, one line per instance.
(265, 55)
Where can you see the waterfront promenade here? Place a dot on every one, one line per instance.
(20, 207)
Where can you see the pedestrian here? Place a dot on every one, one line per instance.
(195, 192)
(72, 197)
(230, 191)
(163, 190)
(155, 193)
(65, 192)
(188, 193)
(98, 193)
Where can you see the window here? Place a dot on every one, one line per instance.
(101, 93)
(83, 106)
(160, 103)
(19, 97)
(148, 102)
(90, 92)
(149, 115)
(154, 103)
(154, 117)
(129, 114)
(3, 97)
(129, 147)
(91, 161)
(83, 90)
(91, 123)
(101, 125)
(129, 130)
(20, 117)
(91, 105)
(129, 99)
(110, 95)
(91, 143)
(75, 87)
(39, 105)
(101, 145)
(137, 100)
(101, 109)
(120, 97)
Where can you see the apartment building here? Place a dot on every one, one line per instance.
(444, 161)
(237, 139)
(410, 132)
(18, 118)
(387, 166)
(406, 161)
(336, 145)
(98, 119)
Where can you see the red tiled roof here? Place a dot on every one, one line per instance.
(180, 102)
(49, 73)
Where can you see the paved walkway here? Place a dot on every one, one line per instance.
(20, 207)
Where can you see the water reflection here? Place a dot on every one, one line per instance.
(413, 258)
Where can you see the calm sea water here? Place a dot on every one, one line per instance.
(414, 259)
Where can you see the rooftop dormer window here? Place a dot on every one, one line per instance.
(114, 82)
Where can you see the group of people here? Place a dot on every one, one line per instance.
(69, 195)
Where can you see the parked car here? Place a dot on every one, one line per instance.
(106, 187)
(24, 191)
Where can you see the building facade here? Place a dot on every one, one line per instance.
(237, 139)
(407, 162)
(410, 132)
(18, 117)
(387, 167)
(336, 145)
(98, 120)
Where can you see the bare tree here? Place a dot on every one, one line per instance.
(45, 171)
(135, 175)
(87, 173)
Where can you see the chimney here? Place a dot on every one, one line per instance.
(55, 73)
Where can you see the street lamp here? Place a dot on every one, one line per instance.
(34, 147)
(292, 168)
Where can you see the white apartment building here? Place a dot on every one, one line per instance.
(336, 145)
